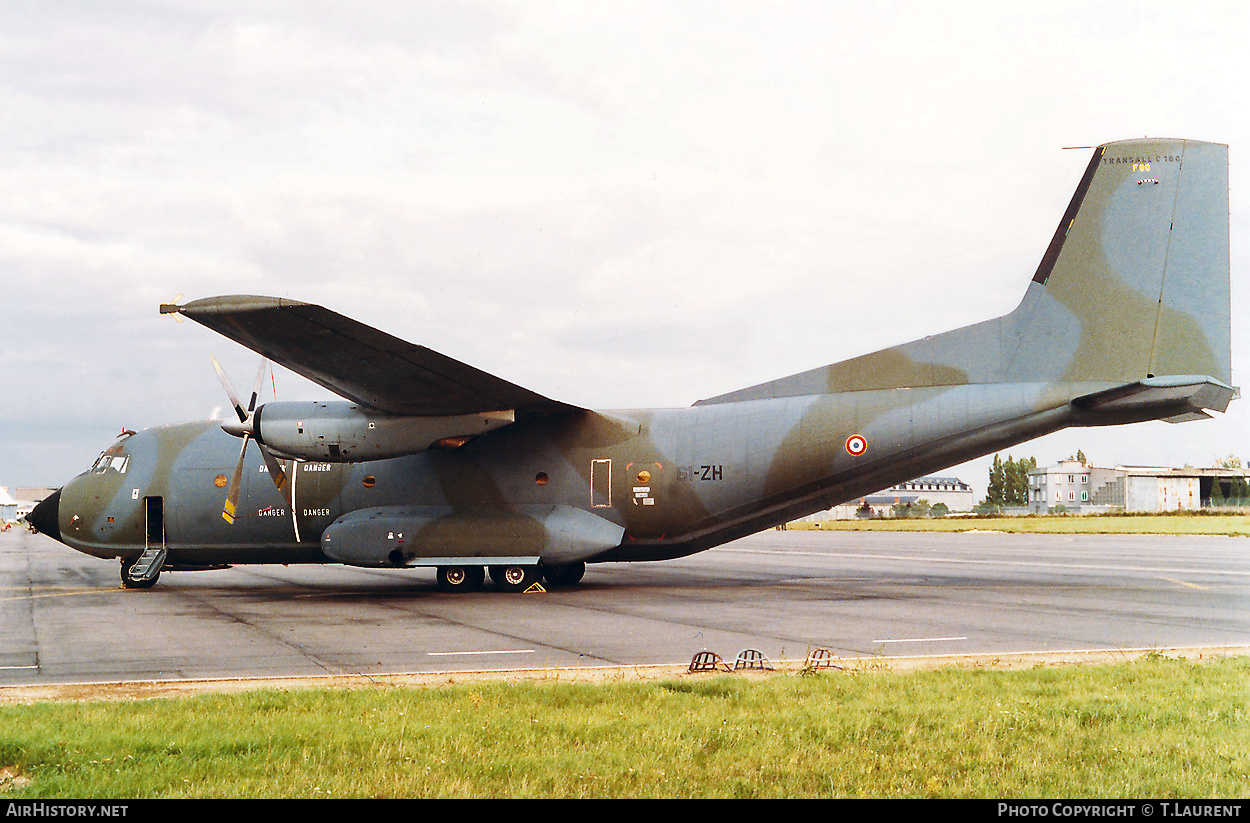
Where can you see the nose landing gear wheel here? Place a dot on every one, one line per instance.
(514, 578)
(135, 584)
(460, 578)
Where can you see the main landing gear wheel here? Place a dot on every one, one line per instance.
(514, 578)
(460, 578)
(565, 574)
(135, 584)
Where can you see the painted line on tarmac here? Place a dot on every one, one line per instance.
(78, 593)
(1185, 584)
(1030, 564)
(922, 640)
(502, 651)
(93, 690)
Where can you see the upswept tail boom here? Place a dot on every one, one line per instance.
(1134, 285)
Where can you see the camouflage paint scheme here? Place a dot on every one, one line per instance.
(429, 462)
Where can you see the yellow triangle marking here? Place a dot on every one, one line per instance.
(537, 588)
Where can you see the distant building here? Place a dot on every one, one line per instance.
(17, 505)
(1071, 484)
(952, 492)
(1084, 489)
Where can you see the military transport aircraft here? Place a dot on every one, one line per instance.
(428, 462)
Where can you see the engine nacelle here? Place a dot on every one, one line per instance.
(342, 432)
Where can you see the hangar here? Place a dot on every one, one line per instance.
(8, 506)
(16, 505)
(1074, 486)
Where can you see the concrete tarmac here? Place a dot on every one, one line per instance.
(64, 618)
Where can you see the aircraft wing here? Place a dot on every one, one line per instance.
(361, 363)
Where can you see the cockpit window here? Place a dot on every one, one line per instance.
(110, 462)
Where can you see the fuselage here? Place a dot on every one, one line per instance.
(675, 481)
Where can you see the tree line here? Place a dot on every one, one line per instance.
(1234, 492)
(1009, 481)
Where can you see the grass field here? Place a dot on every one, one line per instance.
(1158, 727)
(1234, 525)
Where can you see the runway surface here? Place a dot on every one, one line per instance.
(65, 619)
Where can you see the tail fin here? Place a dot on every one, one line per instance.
(1134, 285)
(1141, 263)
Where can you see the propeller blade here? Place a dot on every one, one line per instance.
(276, 473)
(232, 494)
(260, 376)
(244, 429)
(225, 384)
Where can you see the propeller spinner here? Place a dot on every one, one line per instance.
(245, 428)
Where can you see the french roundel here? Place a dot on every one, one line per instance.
(856, 445)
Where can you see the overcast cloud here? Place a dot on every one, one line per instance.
(617, 205)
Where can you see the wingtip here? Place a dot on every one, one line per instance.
(231, 303)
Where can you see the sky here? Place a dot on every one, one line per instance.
(624, 205)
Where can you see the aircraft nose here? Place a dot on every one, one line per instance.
(45, 517)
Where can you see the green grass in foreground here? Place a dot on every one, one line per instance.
(1157, 727)
(1237, 525)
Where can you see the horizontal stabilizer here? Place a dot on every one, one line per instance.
(1187, 397)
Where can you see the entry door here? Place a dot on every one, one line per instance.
(154, 519)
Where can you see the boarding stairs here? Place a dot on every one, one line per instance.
(148, 566)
